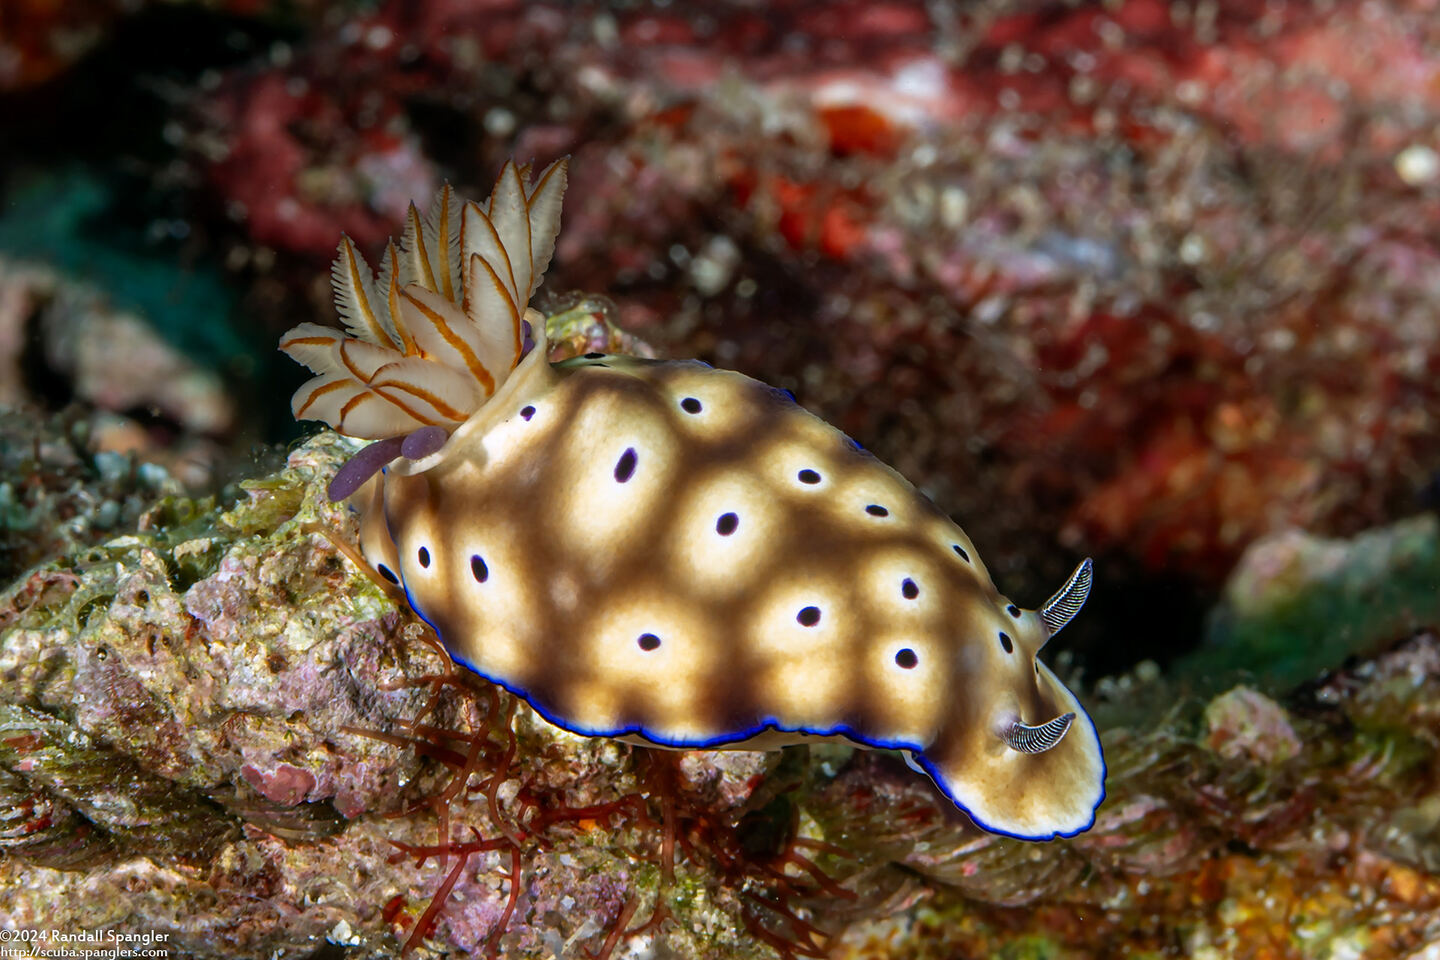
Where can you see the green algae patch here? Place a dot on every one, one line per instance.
(270, 502)
(1298, 605)
(1029, 948)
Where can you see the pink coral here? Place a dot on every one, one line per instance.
(1245, 722)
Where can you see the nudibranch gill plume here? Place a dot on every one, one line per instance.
(668, 553)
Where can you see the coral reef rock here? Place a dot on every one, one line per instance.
(216, 727)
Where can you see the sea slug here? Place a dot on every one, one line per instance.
(668, 553)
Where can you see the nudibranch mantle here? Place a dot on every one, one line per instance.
(668, 553)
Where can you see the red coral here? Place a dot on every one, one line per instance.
(299, 166)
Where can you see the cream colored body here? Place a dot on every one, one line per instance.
(579, 565)
(665, 552)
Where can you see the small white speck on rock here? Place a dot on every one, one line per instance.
(1417, 165)
(499, 122)
(343, 935)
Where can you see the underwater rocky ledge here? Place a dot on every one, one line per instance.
(217, 727)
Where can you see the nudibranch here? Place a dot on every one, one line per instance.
(668, 553)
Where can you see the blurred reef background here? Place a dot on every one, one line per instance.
(1154, 282)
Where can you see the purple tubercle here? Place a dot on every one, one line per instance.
(361, 467)
(423, 442)
(527, 342)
